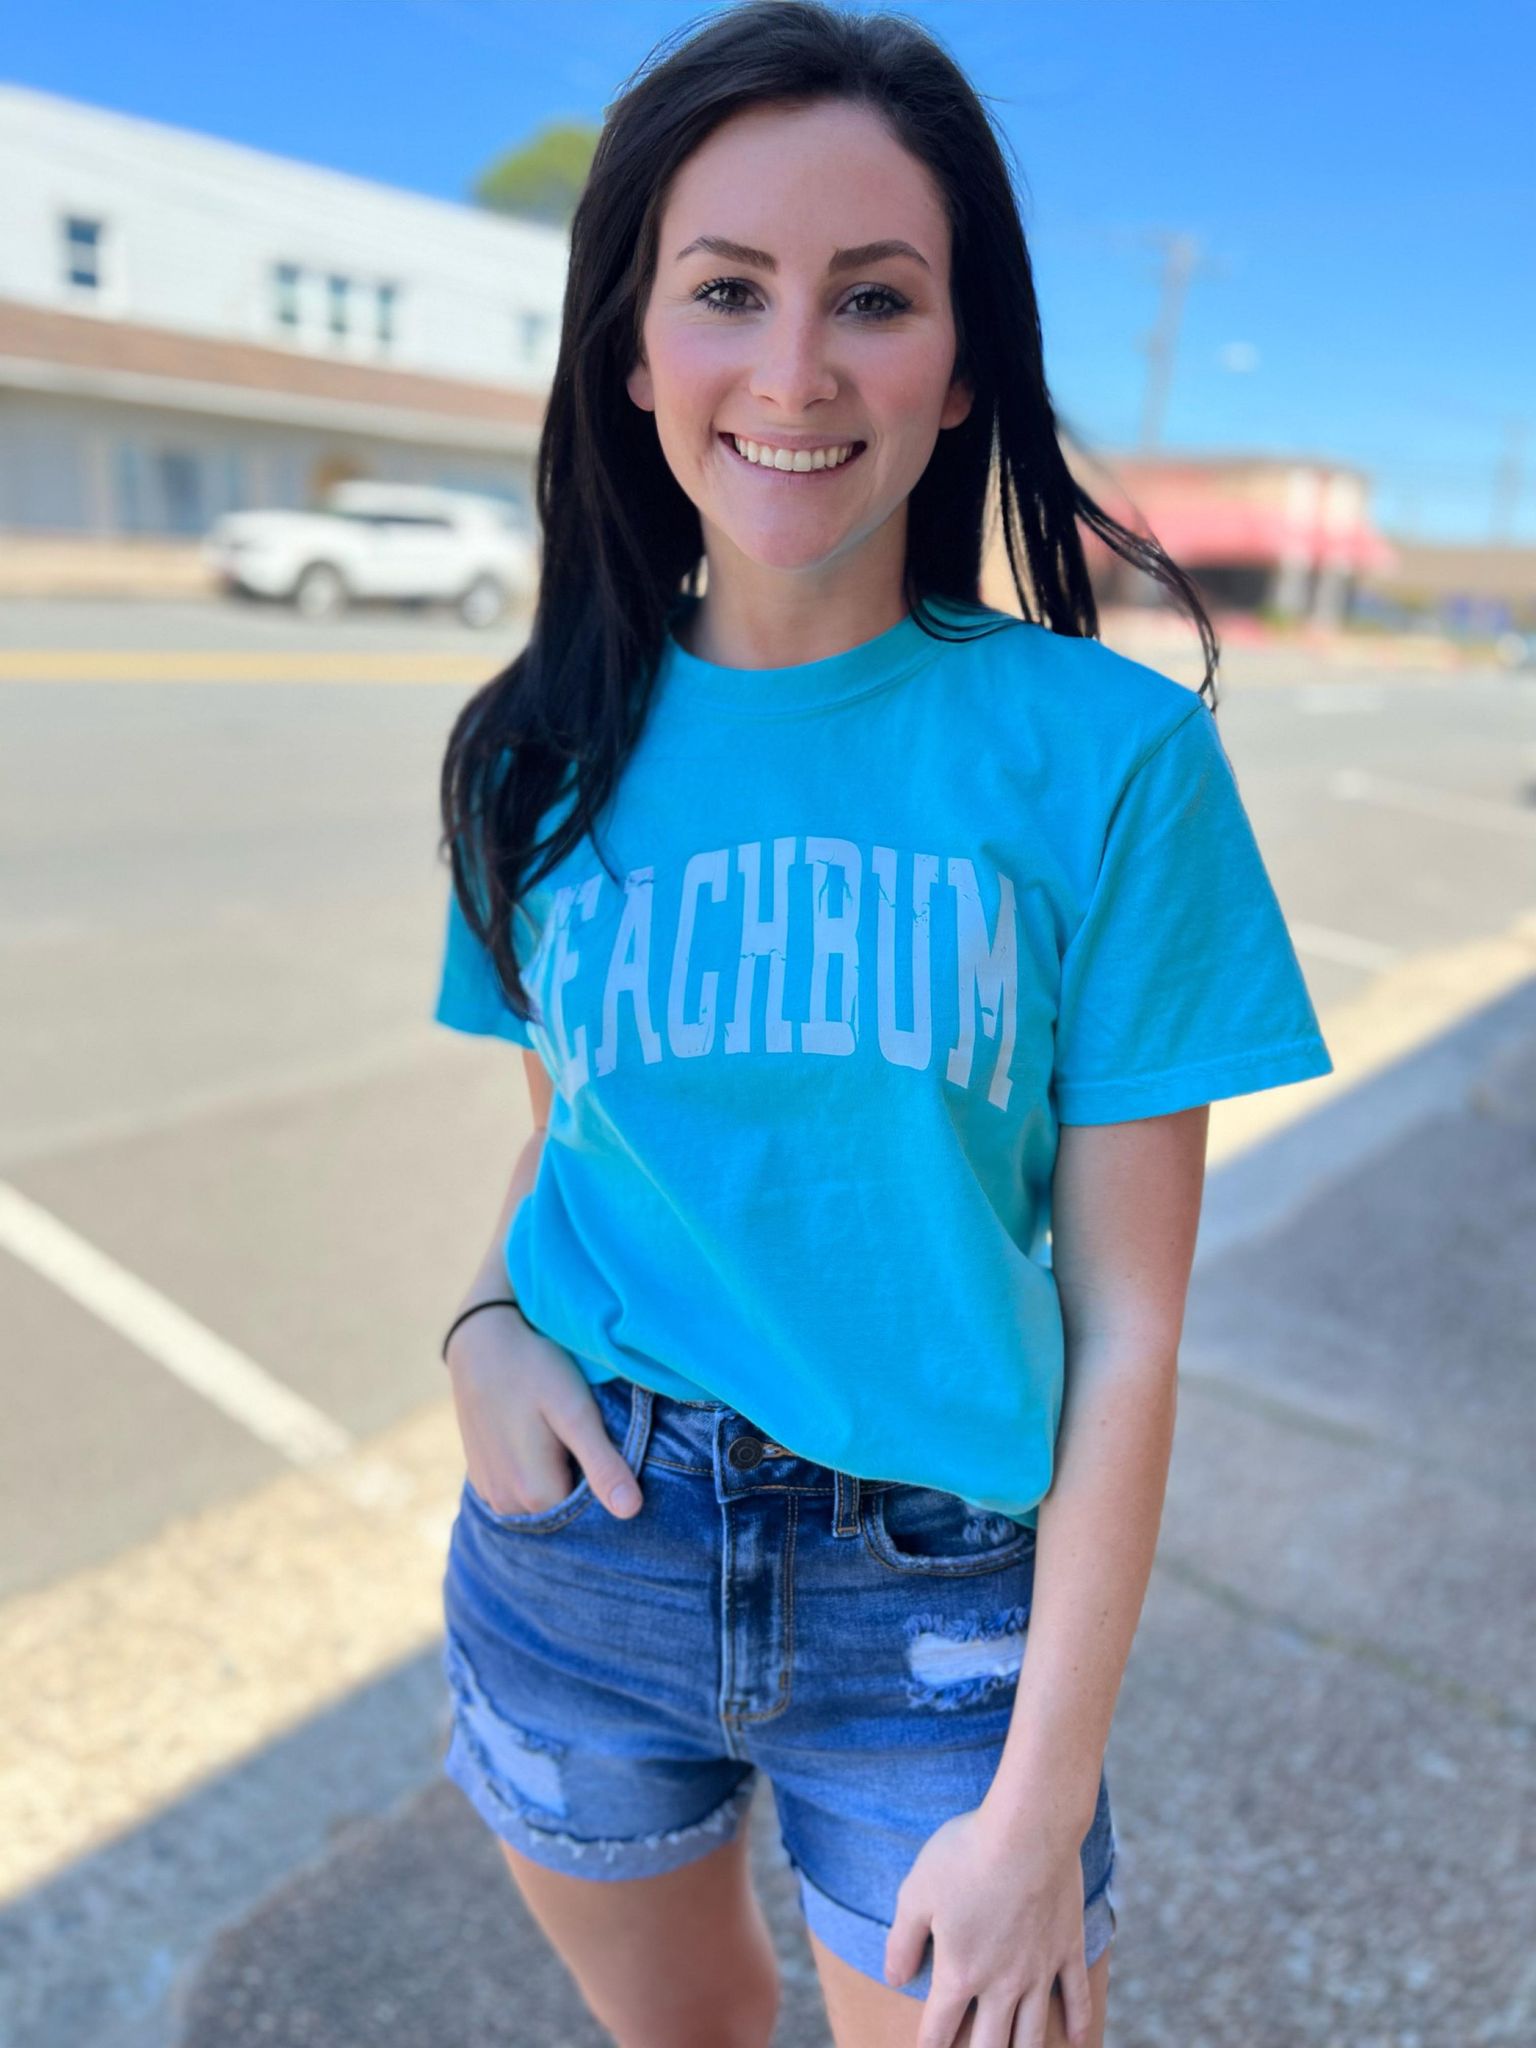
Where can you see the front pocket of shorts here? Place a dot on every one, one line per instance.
(614, 1403)
(536, 1518)
(923, 1529)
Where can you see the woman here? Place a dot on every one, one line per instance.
(858, 937)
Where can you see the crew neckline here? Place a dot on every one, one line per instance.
(876, 664)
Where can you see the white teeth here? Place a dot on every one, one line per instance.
(785, 458)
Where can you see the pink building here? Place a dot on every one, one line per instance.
(1285, 534)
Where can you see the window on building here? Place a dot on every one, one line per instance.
(387, 299)
(338, 302)
(228, 491)
(128, 491)
(285, 293)
(181, 490)
(45, 483)
(534, 326)
(82, 251)
(162, 490)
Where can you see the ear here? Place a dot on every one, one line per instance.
(639, 386)
(957, 404)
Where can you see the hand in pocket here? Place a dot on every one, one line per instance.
(530, 1424)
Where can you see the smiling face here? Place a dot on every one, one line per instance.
(800, 302)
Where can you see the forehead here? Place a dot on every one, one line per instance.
(803, 180)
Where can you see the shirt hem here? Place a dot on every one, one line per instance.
(1107, 1102)
(482, 1024)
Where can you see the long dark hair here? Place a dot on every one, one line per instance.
(622, 542)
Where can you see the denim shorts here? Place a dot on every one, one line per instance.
(616, 1685)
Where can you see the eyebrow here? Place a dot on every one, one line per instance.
(842, 259)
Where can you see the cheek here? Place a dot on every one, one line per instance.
(689, 367)
(909, 386)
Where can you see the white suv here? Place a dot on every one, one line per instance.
(407, 542)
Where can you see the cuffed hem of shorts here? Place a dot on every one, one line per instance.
(587, 1856)
(861, 1940)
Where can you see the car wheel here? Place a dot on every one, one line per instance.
(320, 592)
(483, 603)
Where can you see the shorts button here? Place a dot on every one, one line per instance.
(745, 1453)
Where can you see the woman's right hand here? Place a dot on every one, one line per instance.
(526, 1411)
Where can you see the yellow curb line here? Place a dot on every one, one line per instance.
(250, 665)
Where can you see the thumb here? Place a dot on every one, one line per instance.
(618, 1489)
(604, 1463)
(904, 1946)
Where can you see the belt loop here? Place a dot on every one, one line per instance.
(845, 1520)
(642, 1403)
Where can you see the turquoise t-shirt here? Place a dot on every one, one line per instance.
(884, 922)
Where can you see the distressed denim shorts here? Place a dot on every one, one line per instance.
(616, 1685)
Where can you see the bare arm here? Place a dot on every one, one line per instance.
(524, 1408)
(490, 1281)
(1126, 1209)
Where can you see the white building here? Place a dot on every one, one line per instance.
(189, 327)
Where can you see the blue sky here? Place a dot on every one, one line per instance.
(1359, 176)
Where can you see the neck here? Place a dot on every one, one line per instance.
(751, 619)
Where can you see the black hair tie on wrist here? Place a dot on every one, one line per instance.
(496, 1301)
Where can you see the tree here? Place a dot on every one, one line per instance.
(543, 180)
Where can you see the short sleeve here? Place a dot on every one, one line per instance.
(1181, 985)
(469, 996)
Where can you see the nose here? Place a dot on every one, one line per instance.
(793, 368)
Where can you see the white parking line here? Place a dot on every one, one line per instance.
(202, 1361)
(142, 1680)
(1355, 784)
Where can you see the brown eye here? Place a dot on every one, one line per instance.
(720, 284)
(893, 303)
(886, 307)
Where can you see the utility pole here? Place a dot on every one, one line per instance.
(1180, 256)
(1506, 483)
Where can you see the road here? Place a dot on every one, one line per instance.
(242, 1173)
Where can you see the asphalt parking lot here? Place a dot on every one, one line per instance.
(241, 1172)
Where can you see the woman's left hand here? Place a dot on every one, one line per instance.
(1006, 1917)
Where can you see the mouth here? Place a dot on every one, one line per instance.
(821, 472)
